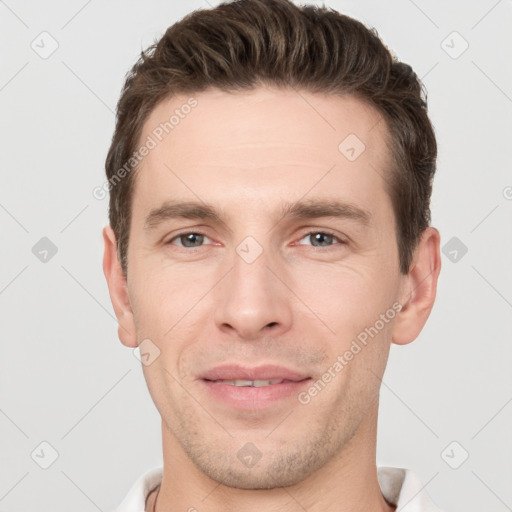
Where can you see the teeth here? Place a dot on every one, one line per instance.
(254, 383)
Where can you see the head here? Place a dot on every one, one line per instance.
(270, 179)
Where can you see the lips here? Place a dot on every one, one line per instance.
(251, 393)
(231, 373)
(254, 383)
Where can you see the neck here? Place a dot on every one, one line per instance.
(346, 483)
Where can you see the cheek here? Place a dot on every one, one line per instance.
(164, 295)
(349, 302)
(342, 296)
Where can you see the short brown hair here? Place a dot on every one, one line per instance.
(243, 44)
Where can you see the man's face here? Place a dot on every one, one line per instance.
(257, 285)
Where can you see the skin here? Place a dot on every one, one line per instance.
(299, 304)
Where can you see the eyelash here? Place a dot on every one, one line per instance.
(318, 232)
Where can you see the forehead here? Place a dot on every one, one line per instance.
(260, 142)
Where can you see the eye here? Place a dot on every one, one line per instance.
(188, 240)
(191, 240)
(322, 239)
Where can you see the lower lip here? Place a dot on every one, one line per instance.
(253, 398)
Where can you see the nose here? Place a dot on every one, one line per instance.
(252, 300)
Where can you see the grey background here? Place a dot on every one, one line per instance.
(66, 379)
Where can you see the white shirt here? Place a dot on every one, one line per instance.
(401, 487)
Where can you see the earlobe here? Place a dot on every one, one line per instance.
(420, 287)
(118, 289)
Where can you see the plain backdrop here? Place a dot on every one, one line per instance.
(73, 398)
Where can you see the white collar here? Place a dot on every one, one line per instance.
(400, 487)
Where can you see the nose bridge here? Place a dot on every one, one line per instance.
(252, 299)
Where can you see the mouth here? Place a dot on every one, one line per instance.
(253, 383)
(256, 394)
(263, 375)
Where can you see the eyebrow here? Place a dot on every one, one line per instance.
(301, 210)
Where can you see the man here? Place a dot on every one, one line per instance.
(270, 177)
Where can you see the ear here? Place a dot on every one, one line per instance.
(419, 288)
(118, 289)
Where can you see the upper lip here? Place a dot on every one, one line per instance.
(263, 372)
